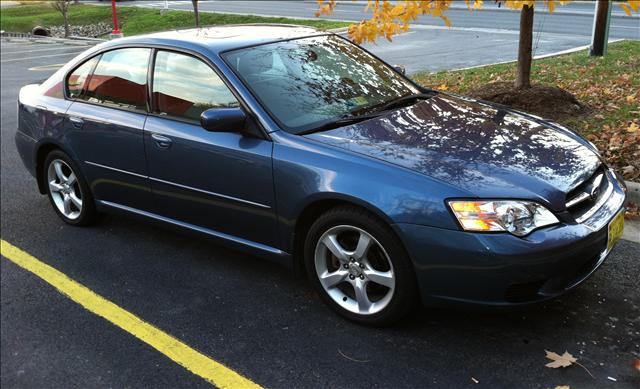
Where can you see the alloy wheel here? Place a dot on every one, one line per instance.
(65, 189)
(354, 269)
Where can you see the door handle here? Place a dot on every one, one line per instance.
(162, 141)
(76, 121)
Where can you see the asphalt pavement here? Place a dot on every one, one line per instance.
(257, 319)
(484, 36)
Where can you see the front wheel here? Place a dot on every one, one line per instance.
(68, 192)
(359, 267)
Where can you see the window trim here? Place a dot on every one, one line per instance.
(159, 46)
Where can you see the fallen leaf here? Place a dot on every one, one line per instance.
(631, 98)
(563, 387)
(443, 87)
(633, 128)
(636, 364)
(563, 360)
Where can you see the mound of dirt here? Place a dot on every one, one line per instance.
(541, 100)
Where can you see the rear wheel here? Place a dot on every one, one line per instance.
(67, 190)
(359, 267)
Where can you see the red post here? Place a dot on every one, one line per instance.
(116, 29)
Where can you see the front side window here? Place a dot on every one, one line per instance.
(120, 79)
(77, 81)
(307, 82)
(184, 87)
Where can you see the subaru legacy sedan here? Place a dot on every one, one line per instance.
(297, 145)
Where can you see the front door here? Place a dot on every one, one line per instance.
(221, 181)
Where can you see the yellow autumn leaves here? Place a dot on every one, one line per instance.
(390, 18)
(631, 6)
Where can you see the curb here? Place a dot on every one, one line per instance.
(73, 40)
(541, 56)
(633, 192)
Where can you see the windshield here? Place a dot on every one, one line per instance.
(305, 83)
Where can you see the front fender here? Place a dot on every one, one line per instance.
(306, 171)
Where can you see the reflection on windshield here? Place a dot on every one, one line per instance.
(306, 82)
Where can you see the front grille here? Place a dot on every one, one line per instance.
(584, 200)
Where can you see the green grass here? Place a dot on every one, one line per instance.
(609, 85)
(134, 20)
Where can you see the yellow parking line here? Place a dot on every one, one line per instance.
(192, 360)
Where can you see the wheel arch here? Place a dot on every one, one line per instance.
(42, 150)
(315, 207)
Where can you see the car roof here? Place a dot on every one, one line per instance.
(223, 38)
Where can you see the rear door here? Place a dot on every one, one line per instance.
(106, 121)
(221, 181)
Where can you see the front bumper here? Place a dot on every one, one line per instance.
(502, 269)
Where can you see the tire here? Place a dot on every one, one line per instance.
(71, 198)
(373, 284)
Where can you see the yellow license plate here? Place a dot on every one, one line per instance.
(616, 227)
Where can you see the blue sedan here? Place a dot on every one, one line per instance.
(299, 146)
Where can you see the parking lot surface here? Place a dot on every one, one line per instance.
(254, 317)
(481, 37)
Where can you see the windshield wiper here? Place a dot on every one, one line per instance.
(378, 110)
(341, 122)
(405, 100)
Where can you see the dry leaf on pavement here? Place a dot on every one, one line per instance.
(563, 360)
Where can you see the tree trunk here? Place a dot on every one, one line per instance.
(195, 12)
(523, 80)
(600, 29)
(66, 24)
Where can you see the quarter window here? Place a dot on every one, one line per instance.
(184, 87)
(120, 79)
(78, 78)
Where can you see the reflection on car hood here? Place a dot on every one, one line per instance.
(475, 146)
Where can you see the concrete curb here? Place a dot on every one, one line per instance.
(541, 56)
(76, 41)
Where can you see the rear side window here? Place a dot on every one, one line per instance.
(120, 79)
(184, 87)
(77, 80)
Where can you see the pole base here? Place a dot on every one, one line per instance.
(115, 35)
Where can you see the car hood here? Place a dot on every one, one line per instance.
(485, 149)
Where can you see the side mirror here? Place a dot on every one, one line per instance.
(223, 119)
(400, 69)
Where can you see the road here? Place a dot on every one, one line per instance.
(481, 37)
(257, 319)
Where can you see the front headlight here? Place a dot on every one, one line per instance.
(514, 216)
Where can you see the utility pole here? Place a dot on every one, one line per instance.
(600, 36)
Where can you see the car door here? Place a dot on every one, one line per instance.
(221, 181)
(105, 125)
